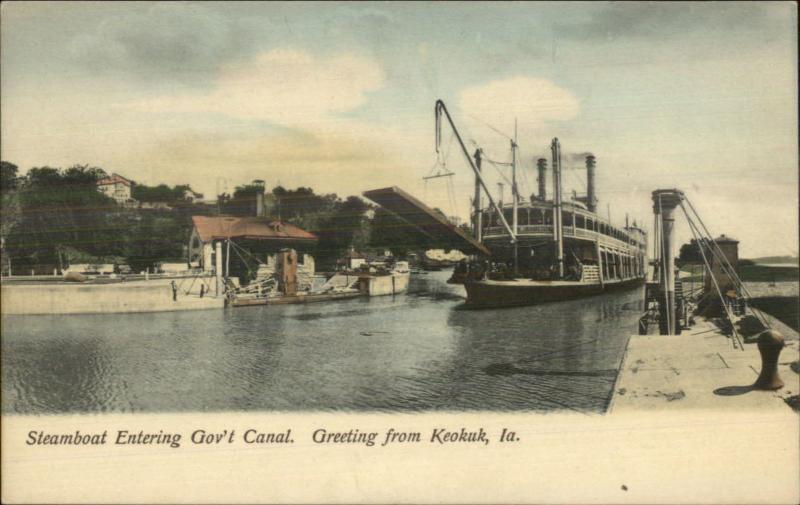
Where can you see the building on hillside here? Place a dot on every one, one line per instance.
(255, 242)
(116, 187)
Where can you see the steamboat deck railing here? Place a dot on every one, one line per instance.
(546, 230)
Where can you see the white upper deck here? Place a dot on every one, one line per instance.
(535, 219)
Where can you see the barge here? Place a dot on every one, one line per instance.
(281, 288)
(373, 280)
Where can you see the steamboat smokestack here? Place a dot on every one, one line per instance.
(591, 198)
(541, 166)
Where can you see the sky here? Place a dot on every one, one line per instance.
(340, 96)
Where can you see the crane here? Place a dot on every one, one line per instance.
(438, 110)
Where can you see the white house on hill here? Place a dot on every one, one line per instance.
(116, 187)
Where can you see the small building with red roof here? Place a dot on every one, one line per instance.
(254, 243)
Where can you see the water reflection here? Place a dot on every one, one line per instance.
(411, 352)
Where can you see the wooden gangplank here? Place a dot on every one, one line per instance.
(426, 220)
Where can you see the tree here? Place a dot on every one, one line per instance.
(340, 231)
(155, 238)
(175, 195)
(303, 207)
(9, 212)
(61, 209)
(244, 200)
(690, 253)
(8, 177)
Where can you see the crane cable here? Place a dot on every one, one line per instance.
(500, 172)
(526, 185)
(695, 233)
(440, 165)
(725, 265)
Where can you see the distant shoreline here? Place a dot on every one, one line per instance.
(754, 273)
(775, 260)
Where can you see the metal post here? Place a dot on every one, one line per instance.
(600, 263)
(669, 264)
(228, 258)
(478, 221)
(218, 266)
(557, 225)
(770, 344)
(665, 202)
(514, 193)
(514, 200)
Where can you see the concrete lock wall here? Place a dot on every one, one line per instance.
(86, 299)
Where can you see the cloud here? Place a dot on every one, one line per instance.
(282, 86)
(665, 19)
(532, 101)
(172, 41)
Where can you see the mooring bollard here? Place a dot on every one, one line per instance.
(770, 343)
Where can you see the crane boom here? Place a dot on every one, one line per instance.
(439, 108)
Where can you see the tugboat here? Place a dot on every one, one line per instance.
(544, 250)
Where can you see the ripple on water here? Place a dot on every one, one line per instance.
(411, 352)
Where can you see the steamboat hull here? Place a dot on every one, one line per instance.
(499, 294)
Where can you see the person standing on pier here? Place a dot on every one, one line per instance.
(174, 291)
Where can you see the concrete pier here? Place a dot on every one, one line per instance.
(700, 369)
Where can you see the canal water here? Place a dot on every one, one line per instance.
(419, 351)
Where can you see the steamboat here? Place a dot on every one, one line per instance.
(539, 249)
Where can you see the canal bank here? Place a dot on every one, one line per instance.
(155, 295)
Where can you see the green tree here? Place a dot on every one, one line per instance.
(342, 228)
(155, 237)
(8, 177)
(690, 253)
(9, 212)
(175, 195)
(303, 207)
(59, 209)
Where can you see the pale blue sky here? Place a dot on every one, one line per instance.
(339, 96)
